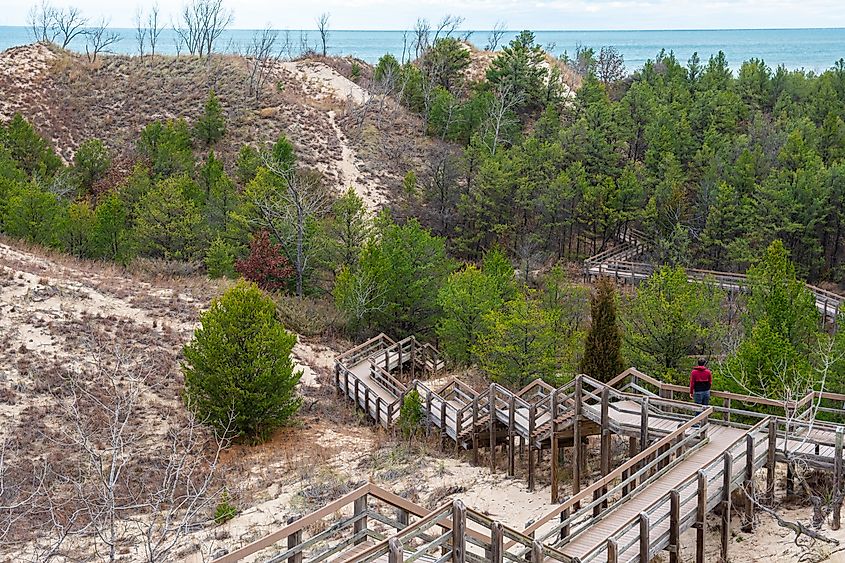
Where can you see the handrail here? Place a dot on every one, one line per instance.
(616, 473)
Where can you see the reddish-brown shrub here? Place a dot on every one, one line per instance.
(265, 265)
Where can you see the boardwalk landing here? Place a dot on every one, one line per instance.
(683, 462)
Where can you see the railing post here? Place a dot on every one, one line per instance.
(378, 411)
(458, 428)
(395, 552)
(837, 479)
(458, 531)
(612, 551)
(727, 414)
(701, 517)
(413, 358)
(537, 555)
(360, 507)
(443, 433)
(428, 412)
(644, 425)
(294, 540)
(403, 517)
(748, 525)
(645, 540)
(770, 459)
(367, 401)
(496, 543)
(564, 516)
(605, 439)
(355, 400)
(726, 507)
(674, 526)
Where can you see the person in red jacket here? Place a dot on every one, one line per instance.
(700, 380)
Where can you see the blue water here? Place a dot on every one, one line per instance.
(810, 49)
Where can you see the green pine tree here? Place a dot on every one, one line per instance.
(603, 349)
(239, 375)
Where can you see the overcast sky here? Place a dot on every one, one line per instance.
(482, 14)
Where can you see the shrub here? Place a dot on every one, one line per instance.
(265, 264)
(225, 511)
(239, 375)
(411, 414)
(220, 259)
(355, 71)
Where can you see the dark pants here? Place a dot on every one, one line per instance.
(702, 397)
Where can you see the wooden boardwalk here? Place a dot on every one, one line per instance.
(619, 263)
(684, 460)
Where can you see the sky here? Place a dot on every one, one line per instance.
(483, 14)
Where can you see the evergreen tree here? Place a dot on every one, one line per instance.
(91, 161)
(211, 126)
(602, 358)
(239, 375)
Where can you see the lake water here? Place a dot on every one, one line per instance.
(810, 49)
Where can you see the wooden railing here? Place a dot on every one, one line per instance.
(631, 469)
(466, 535)
(335, 535)
(660, 524)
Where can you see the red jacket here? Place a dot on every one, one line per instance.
(700, 379)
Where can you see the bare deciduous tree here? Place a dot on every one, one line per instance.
(140, 32)
(288, 210)
(262, 56)
(495, 36)
(42, 22)
(69, 24)
(323, 29)
(147, 29)
(610, 66)
(201, 25)
(422, 34)
(100, 40)
(500, 115)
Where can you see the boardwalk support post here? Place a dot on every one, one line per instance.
(459, 515)
(554, 446)
(701, 517)
(511, 438)
(491, 415)
(674, 526)
(726, 507)
(576, 441)
(837, 480)
(475, 430)
(532, 420)
(645, 540)
(428, 413)
(644, 425)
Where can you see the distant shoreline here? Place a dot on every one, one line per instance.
(811, 49)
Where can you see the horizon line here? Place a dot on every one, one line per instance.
(599, 30)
